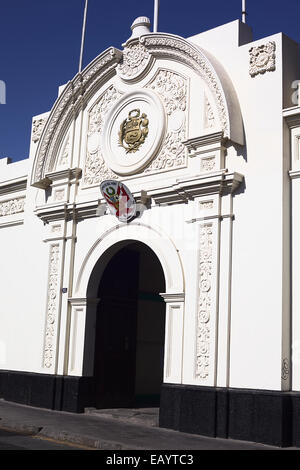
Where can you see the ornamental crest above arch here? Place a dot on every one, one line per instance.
(132, 66)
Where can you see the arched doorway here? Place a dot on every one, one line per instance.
(130, 328)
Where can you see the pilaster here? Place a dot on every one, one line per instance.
(59, 220)
(173, 337)
(291, 359)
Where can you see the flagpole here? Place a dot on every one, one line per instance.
(156, 11)
(244, 13)
(83, 35)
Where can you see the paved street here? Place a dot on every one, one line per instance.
(102, 429)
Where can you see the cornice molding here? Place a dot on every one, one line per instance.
(292, 116)
(13, 186)
(219, 182)
(173, 297)
(184, 190)
(198, 145)
(83, 301)
(67, 211)
(68, 174)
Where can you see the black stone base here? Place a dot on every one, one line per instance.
(268, 417)
(54, 392)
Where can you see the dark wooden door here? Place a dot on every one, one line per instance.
(115, 355)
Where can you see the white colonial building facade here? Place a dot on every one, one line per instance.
(195, 300)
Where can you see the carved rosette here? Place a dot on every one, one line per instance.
(12, 206)
(95, 169)
(135, 61)
(52, 304)
(172, 89)
(262, 59)
(204, 303)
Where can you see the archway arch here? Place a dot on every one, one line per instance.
(153, 237)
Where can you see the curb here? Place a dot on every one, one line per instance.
(88, 441)
(26, 429)
(64, 436)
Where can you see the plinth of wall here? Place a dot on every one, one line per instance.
(54, 392)
(268, 417)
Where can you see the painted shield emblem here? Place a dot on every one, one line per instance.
(120, 201)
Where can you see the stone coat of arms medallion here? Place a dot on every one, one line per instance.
(133, 132)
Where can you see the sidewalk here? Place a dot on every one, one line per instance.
(111, 429)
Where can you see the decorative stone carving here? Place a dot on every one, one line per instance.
(95, 169)
(70, 100)
(37, 129)
(56, 228)
(12, 206)
(262, 58)
(172, 89)
(64, 156)
(135, 60)
(149, 137)
(49, 345)
(208, 164)
(206, 205)
(172, 154)
(209, 120)
(204, 303)
(59, 195)
(78, 91)
(179, 49)
(100, 109)
(285, 369)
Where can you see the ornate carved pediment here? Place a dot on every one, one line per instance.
(139, 54)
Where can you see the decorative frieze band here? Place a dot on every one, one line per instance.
(12, 206)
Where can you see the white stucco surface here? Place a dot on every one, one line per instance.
(221, 212)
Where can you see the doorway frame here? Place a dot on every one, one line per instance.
(80, 357)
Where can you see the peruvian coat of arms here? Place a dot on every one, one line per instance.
(133, 131)
(120, 201)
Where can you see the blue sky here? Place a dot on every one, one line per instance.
(40, 43)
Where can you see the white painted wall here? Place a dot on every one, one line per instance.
(249, 311)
